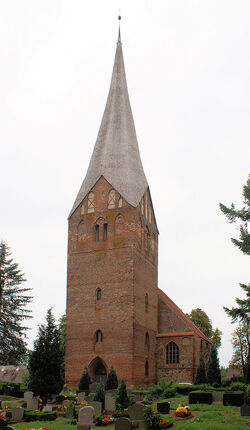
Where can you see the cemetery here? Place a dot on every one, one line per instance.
(161, 406)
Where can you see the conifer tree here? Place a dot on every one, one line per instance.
(112, 381)
(201, 377)
(122, 400)
(100, 393)
(45, 362)
(213, 371)
(13, 301)
(85, 380)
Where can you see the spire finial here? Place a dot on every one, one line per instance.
(119, 32)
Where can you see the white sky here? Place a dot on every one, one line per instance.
(188, 72)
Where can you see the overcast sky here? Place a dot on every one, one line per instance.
(188, 72)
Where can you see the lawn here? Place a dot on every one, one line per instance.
(205, 417)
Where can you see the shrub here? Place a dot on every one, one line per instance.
(201, 377)
(122, 400)
(85, 380)
(152, 419)
(163, 390)
(112, 381)
(200, 397)
(234, 398)
(237, 386)
(100, 393)
(39, 416)
(213, 372)
(186, 388)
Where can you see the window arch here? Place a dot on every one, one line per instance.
(172, 353)
(146, 368)
(120, 202)
(97, 232)
(98, 336)
(146, 302)
(82, 209)
(81, 231)
(91, 202)
(105, 231)
(111, 200)
(98, 294)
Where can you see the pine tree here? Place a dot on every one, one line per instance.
(13, 301)
(122, 400)
(112, 381)
(85, 380)
(242, 312)
(201, 377)
(45, 362)
(213, 371)
(100, 393)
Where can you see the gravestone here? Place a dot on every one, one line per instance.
(32, 404)
(123, 424)
(97, 407)
(92, 387)
(47, 408)
(113, 392)
(245, 410)
(109, 403)
(217, 396)
(81, 397)
(66, 403)
(70, 413)
(28, 395)
(163, 408)
(85, 418)
(136, 412)
(17, 414)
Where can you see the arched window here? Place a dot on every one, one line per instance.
(149, 214)
(147, 341)
(146, 368)
(120, 202)
(119, 224)
(111, 201)
(98, 294)
(172, 353)
(146, 302)
(105, 231)
(142, 205)
(98, 336)
(81, 232)
(97, 230)
(82, 209)
(91, 202)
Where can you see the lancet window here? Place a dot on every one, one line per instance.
(172, 353)
(98, 294)
(146, 368)
(146, 302)
(98, 336)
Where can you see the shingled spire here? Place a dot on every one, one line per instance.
(116, 154)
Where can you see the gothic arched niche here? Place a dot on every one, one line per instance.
(81, 232)
(119, 225)
(98, 370)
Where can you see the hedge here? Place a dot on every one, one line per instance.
(32, 415)
(233, 398)
(200, 397)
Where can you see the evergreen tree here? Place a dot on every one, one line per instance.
(122, 400)
(242, 311)
(62, 335)
(112, 381)
(45, 362)
(100, 393)
(204, 323)
(213, 371)
(13, 301)
(85, 380)
(201, 377)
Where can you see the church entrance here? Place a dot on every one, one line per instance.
(98, 370)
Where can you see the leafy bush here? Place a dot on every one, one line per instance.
(152, 419)
(163, 390)
(142, 392)
(237, 386)
(200, 397)
(234, 398)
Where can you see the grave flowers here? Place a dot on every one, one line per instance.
(103, 420)
(182, 411)
(3, 421)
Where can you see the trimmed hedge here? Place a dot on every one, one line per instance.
(233, 398)
(200, 397)
(185, 389)
(32, 415)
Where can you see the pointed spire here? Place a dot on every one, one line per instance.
(116, 154)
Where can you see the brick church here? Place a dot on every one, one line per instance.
(116, 314)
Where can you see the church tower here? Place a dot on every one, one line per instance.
(113, 254)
